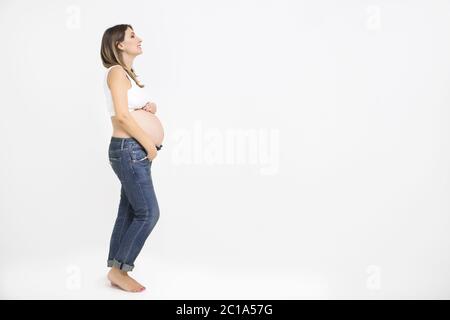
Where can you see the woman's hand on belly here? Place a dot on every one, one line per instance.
(150, 107)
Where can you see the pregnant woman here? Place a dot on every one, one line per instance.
(137, 137)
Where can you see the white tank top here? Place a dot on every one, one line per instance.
(137, 96)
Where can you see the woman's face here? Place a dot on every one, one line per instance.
(131, 44)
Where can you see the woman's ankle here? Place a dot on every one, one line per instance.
(116, 270)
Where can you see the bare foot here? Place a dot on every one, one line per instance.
(121, 279)
(135, 281)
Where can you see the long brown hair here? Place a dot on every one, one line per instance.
(109, 52)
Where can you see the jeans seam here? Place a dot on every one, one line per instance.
(123, 223)
(131, 243)
(130, 164)
(147, 209)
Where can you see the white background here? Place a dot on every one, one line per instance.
(347, 195)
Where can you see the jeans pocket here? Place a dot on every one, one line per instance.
(114, 156)
(115, 160)
(139, 155)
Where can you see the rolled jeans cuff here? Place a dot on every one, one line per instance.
(120, 265)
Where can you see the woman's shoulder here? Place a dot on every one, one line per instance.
(117, 68)
(116, 72)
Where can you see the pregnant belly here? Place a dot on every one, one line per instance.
(150, 124)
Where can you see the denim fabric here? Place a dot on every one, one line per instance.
(138, 209)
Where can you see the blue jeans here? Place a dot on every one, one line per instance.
(138, 208)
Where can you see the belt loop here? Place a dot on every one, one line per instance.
(121, 146)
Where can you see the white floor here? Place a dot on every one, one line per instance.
(83, 276)
(61, 279)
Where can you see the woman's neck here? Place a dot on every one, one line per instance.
(128, 60)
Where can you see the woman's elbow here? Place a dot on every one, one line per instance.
(122, 117)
